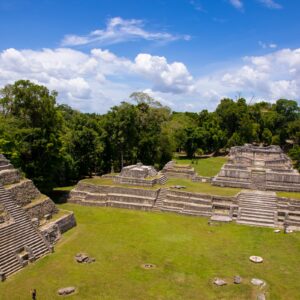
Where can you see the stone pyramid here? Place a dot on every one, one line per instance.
(30, 222)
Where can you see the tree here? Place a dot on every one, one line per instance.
(37, 140)
(267, 136)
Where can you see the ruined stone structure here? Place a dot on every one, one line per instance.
(174, 170)
(29, 221)
(140, 175)
(260, 168)
(258, 208)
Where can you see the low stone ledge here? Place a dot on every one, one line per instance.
(41, 207)
(23, 192)
(9, 176)
(66, 222)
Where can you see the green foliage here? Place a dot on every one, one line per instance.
(295, 155)
(57, 145)
(267, 136)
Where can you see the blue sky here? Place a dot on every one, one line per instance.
(186, 53)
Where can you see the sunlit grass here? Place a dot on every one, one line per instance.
(204, 166)
(187, 251)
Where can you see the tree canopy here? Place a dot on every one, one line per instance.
(55, 144)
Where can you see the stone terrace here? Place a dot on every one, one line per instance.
(257, 208)
(20, 241)
(262, 168)
(140, 175)
(25, 206)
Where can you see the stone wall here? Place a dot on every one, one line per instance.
(202, 179)
(23, 192)
(173, 200)
(38, 209)
(289, 212)
(100, 195)
(9, 176)
(66, 222)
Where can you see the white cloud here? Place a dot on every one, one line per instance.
(270, 4)
(97, 80)
(237, 4)
(269, 77)
(267, 45)
(79, 77)
(120, 30)
(166, 77)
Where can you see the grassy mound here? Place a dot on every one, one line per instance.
(187, 253)
(204, 166)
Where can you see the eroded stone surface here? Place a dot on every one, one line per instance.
(257, 282)
(237, 279)
(219, 282)
(256, 259)
(84, 258)
(261, 296)
(66, 291)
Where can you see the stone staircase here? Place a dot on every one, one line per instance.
(257, 208)
(187, 203)
(16, 234)
(159, 200)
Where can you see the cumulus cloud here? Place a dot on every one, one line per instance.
(120, 30)
(95, 77)
(270, 4)
(238, 4)
(166, 77)
(99, 79)
(270, 76)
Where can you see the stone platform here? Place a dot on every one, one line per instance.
(259, 168)
(249, 207)
(140, 175)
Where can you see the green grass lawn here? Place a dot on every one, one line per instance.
(202, 187)
(197, 187)
(204, 166)
(293, 195)
(187, 252)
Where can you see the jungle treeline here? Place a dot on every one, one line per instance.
(55, 145)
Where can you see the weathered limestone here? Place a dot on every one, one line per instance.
(96, 195)
(66, 291)
(256, 259)
(27, 230)
(41, 207)
(23, 192)
(262, 168)
(257, 208)
(20, 241)
(173, 170)
(140, 175)
(187, 203)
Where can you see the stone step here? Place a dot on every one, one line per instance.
(257, 200)
(249, 223)
(257, 212)
(16, 235)
(256, 217)
(257, 203)
(265, 207)
(253, 219)
(195, 213)
(171, 209)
